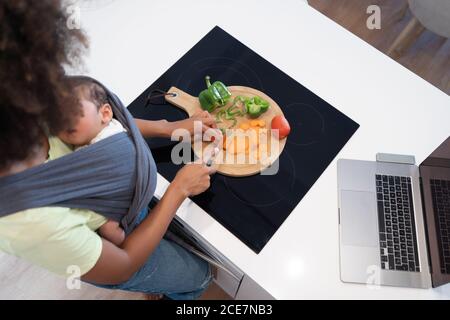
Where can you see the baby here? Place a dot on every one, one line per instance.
(95, 123)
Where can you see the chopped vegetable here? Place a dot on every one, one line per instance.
(254, 123)
(216, 94)
(230, 113)
(219, 116)
(251, 142)
(282, 125)
(244, 126)
(256, 106)
(241, 105)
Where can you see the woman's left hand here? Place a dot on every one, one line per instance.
(188, 124)
(163, 128)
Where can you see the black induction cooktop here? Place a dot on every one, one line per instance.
(254, 207)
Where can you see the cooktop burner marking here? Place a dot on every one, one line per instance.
(204, 71)
(213, 62)
(264, 200)
(304, 133)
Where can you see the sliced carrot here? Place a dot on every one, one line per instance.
(235, 147)
(239, 145)
(254, 123)
(244, 126)
(254, 138)
(231, 146)
(256, 129)
(262, 123)
(224, 142)
(262, 151)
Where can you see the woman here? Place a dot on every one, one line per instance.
(35, 103)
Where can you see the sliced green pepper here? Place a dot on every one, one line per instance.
(256, 106)
(263, 103)
(253, 109)
(216, 94)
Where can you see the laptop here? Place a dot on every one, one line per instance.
(394, 220)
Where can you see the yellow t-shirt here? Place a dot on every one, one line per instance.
(54, 237)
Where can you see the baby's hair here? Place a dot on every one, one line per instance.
(90, 91)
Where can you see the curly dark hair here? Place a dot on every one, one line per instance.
(89, 90)
(35, 45)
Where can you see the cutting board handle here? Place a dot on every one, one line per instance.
(183, 101)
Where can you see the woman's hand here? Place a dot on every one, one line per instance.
(164, 128)
(118, 264)
(193, 179)
(188, 124)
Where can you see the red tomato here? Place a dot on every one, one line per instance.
(282, 125)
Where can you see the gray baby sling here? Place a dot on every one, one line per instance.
(115, 177)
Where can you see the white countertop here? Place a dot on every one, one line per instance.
(134, 42)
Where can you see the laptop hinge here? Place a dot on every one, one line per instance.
(396, 158)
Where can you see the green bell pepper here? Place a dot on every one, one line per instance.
(216, 94)
(256, 106)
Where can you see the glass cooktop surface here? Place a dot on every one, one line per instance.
(253, 207)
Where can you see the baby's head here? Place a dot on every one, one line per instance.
(96, 113)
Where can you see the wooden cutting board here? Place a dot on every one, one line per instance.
(191, 105)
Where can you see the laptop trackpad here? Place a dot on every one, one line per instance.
(359, 218)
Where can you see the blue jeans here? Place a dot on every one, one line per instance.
(170, 270)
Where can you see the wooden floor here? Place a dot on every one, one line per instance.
(22, 280)
(428, 57)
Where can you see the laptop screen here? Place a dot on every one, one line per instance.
(435, 178)
(440, 157)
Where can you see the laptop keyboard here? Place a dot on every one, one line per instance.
(440, 192)
(398, 244)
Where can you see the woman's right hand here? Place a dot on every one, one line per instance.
(193, 179)
(119, 264)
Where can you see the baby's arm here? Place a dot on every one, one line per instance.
(112, 231)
